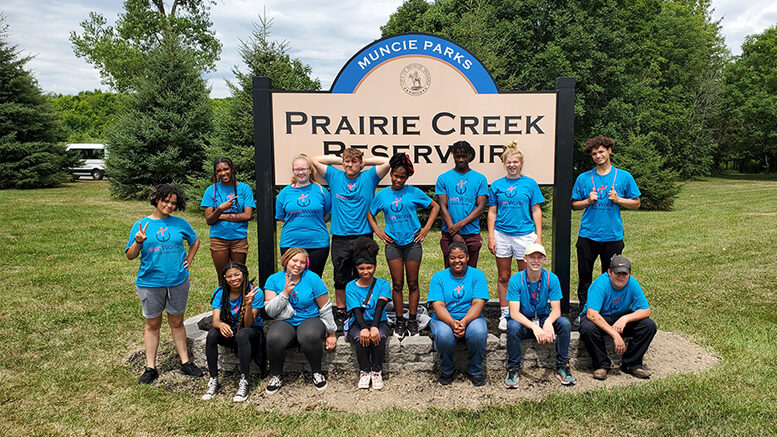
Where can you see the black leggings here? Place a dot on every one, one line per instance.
(248, 343)
(317, 256)
(587, 252)
(309, 335)
(370, 357)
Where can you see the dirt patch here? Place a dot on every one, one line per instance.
(669, 354)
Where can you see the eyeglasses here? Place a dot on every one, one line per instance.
(301, 170)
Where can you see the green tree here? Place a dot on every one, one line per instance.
(32, 156)
(646, 70)
(161, 136)
(87, 115)
(749, 124)
(234, 123)
(120, 53)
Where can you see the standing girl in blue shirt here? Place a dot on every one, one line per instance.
(237, 325)
(514, 221)
(229, 206)
(162, 283)
(304, 208)
(367, 327)
(403, 235)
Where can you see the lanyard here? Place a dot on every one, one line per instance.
(525, 280)
(615, 175)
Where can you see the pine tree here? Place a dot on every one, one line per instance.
(29, 129)
(161, 136)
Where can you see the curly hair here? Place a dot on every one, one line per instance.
(402, 160)
(365, 251)
(163, 191)
(462, 146)
(597, 141)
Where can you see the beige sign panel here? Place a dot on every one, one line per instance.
(417, 105)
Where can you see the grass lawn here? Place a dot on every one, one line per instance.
(70, 314)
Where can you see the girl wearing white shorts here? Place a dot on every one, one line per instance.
(514, 221)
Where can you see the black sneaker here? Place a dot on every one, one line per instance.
(188, 368)
(319, 380)
(400, 329)
(412, 327)
(445, 378)
(477, 380)
(341, 315)
(148, 376)
(274, 385)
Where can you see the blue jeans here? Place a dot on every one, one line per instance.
(517, 332)
(445, 343)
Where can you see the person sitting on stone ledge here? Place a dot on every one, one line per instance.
(367, 326)
(235, 327)
(617, 307)
(298, 300)
(458, 295)
(528, 294)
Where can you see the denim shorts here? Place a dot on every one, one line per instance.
(155, 300)
(408, 252)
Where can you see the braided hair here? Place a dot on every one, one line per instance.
(402, 160)
(246, 285)
(462, 146)
(365, 251)
(232, 175)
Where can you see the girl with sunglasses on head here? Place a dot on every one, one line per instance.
(229, 205)
(403, 236)
(236, 324)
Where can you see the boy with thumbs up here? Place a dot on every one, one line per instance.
(601, 192)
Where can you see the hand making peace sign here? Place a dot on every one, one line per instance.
(140, 236)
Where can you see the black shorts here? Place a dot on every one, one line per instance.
(408, 252)
(342, 259)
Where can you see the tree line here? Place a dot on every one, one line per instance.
(653, 74)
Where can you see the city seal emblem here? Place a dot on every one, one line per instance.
(415, 79)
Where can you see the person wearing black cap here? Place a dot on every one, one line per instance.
(617, 307)
(367, 326)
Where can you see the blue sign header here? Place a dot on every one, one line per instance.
(413, 44)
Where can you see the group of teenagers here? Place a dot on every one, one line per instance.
(296, 298)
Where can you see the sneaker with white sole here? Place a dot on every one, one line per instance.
(503, 323)
(400, 329)
(213, 388)
(274, 385)
(564, 375)
(242, 390)
(364, 380)
(377, 380)
(319, 381)
(511, 379)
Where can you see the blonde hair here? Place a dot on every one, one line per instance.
(313, 172)
(291, 253)
(510, 151)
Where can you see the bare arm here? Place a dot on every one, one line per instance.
(321, 162)
(378, 231)
(192, 251)
(491, 226)
(536, 214)
(480, 206)
(382, 166)
(429, 222)
(474, 311)
(442, 200)
(629, 203)
(442, 313)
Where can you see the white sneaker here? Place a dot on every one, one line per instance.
(213, 388)
(364, 380)
(503, 323)
(377, 380)
(242, 390)
(274, 385)
(319, 381)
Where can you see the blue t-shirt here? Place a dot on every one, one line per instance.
(351, 198)
(302, 210)
(513, 199)
(462, 191)
(234, 306)
(601, 220)
(355, 295)
(222, 228)
(303, 297)
(399, 210)
(457, 293)
(163, 252)
(608, 301)
(534, 296)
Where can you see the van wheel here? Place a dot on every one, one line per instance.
(97, 174)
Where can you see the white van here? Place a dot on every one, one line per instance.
(92, 160)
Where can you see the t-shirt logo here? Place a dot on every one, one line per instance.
(601, 188)
(510, 191)
(614, 305)
(293, 298)
(162, 235)
(370, 304)
(396, 205)
(458, 292)
(461, 187)
(303, 200)
(236, 310)
(352, 187)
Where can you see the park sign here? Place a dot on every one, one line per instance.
(416, 94)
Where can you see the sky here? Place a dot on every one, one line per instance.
(321, 34)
